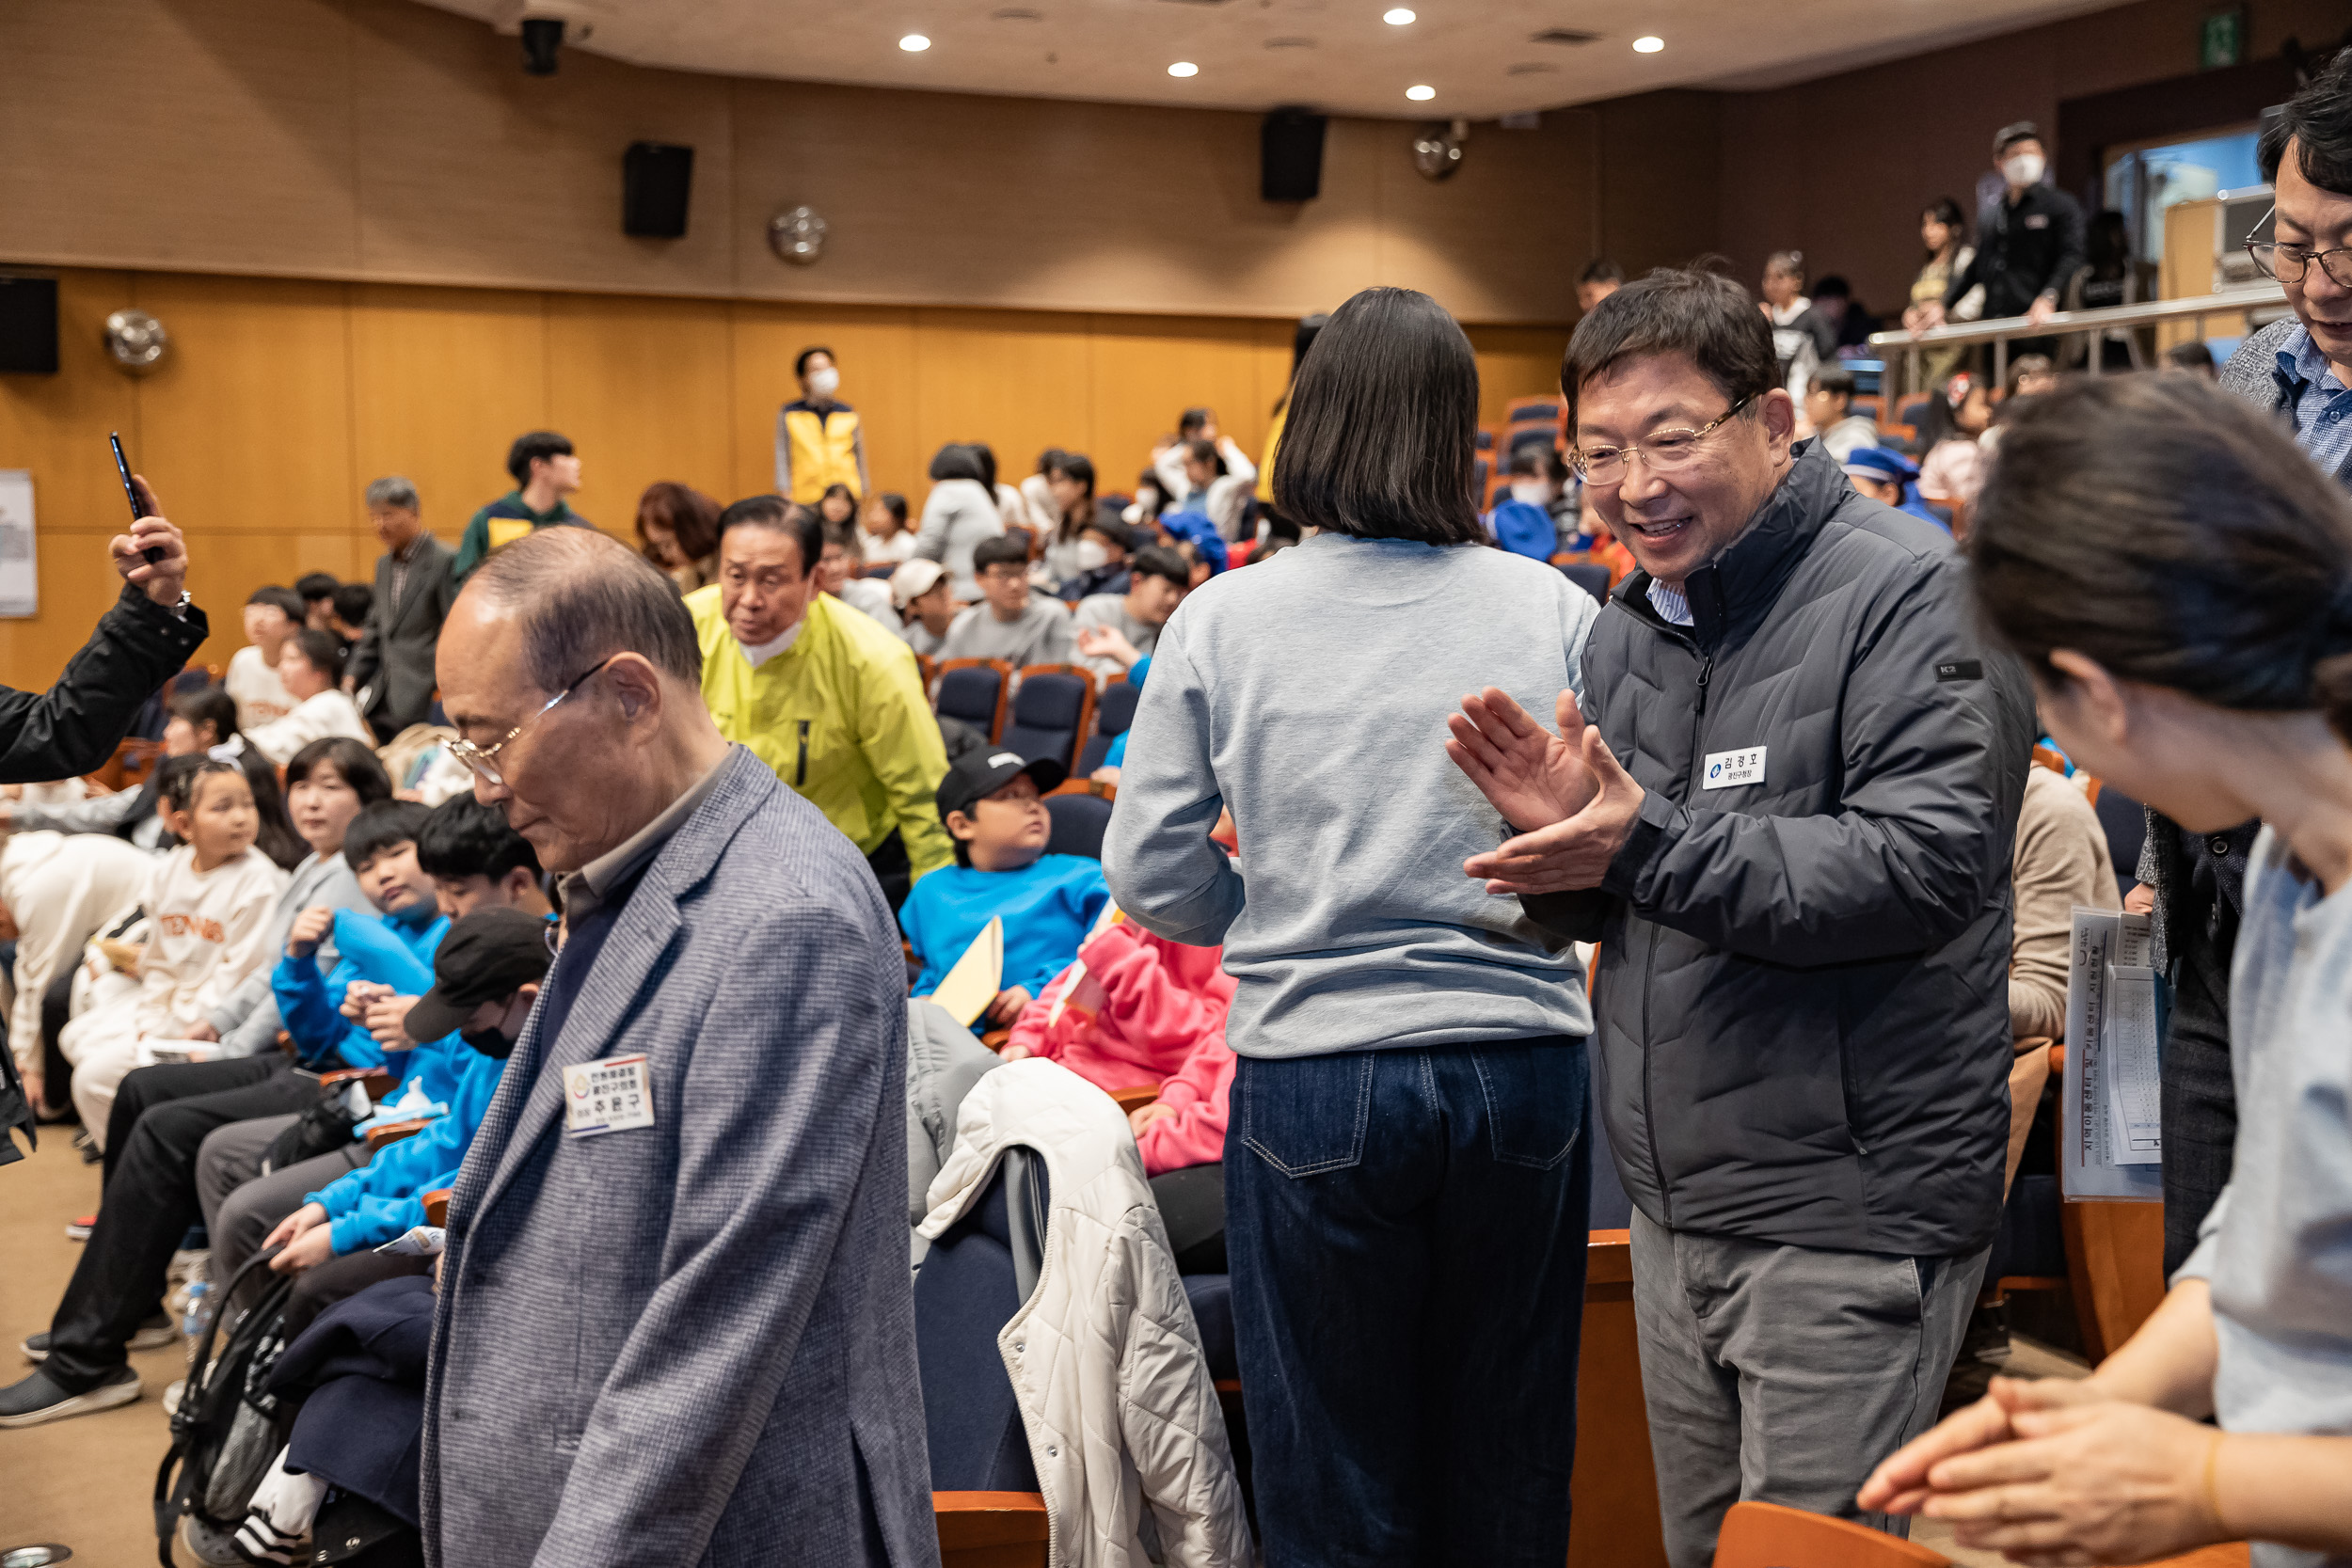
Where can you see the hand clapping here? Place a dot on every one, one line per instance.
(1582, 802)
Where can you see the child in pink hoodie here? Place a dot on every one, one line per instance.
(1136, 1009)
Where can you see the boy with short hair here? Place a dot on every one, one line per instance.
(546, 470)
(920, 593)
(1114, 630)
(1010, 621)
(475, 860)
(316, 590)
(272, 615)
(392, 945)
(993, 806)
(1829, 405)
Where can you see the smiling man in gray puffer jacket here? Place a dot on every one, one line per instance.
(1788, 824)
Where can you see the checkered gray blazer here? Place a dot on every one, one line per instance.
(694, 1342)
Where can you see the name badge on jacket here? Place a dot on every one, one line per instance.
(1727, 768)
(610, 1096)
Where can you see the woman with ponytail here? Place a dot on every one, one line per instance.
(2178, 576)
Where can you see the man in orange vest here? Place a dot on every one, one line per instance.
(819, 441)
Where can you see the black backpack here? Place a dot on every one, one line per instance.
(228, 1428)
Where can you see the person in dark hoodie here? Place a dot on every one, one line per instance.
(1784, 811)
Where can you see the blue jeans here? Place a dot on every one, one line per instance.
(1406, 1230)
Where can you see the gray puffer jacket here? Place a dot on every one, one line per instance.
(1801, 1003)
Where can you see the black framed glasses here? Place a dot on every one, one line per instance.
(483, 759)
(2289, 263)
(1663, 452)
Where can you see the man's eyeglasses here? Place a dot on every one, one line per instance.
(1663, 452)
(483, 759)
(2288, 262)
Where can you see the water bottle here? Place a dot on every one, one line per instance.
(199, 1317)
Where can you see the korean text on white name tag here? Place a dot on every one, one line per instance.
(610, 1096)
(1725, 769)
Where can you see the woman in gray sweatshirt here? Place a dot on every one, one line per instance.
(2178, 577)
(1405, 1175)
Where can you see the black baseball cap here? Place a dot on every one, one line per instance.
(486, 957)
(2024, 130)
(982, 772)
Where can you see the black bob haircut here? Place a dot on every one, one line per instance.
(1380, 439)
(1703, 316)
(312, 586)
(538, 444)
(799, 360)
(465, 838)
(957, 461)
(798, 523)
(382, 825)
(353, 601)
(1005, 550)
(2318, 119)
(284, 599)
(351, 761)
(1158, 560)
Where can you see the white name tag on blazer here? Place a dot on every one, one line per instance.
(1726, 769)
(610, 1096)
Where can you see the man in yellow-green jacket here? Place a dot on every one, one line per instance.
(826, 696)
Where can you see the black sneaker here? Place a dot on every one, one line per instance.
(154, 1334)
(37, 1400)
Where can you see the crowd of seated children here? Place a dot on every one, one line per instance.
(1114, 630)
(835, 574)
(472, 860)
(56, 892)
(272, 615)
(196, 720)
(1185, 472)
(1135, 1009)
(887, 541)
(207, 905)
(1009, 622)
(921, 594)
(1103, 555)
(311, 666)
(993, 806)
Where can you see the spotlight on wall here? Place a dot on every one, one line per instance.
(1438, 149)
(543, 37)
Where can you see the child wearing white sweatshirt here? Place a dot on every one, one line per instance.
(207, 904)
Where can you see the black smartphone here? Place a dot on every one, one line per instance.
(139, 508)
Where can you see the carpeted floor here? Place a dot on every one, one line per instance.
(85, 1483)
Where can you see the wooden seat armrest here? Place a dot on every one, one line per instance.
(375, 1081)
(436, 1207)
(393, 1132)
(1135, 1096)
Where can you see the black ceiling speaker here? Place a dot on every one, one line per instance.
(543, 41)
(656, 179)
(29, 326)
(1290, 156)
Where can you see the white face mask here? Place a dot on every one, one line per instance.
(823, 382)
(1091, 554)
(1531, 492)
(2024, 170)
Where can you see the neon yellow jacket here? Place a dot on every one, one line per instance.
(841, 717)
(818, 447)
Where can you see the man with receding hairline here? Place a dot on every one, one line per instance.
(676, 1324)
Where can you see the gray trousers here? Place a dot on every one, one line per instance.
(241, 1205)
(1785, 1374)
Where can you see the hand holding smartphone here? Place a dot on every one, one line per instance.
(139, 508)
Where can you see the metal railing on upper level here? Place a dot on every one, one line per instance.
(2002, 330)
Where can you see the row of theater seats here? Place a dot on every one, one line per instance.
(1064, 711)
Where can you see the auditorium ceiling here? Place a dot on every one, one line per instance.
(1476, 59)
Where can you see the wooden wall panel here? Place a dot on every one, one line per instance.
(641, 386)
(246, 426)
(1149, 369)
(77, 583)
(441, 380)
(56, 425)
(1019, 385)
(1515, 362)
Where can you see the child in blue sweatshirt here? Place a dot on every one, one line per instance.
(391, 948)
(993, 803)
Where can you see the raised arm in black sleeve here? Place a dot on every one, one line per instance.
(73, 727)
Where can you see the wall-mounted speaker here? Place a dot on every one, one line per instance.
(1290, 156)
(656, 180)
(29, 326)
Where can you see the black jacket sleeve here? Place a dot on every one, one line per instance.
(72, 727)
(1578, 916)
(2066, 216)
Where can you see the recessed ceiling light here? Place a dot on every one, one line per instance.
(1649, 45)
(1420, 95)
(915, 44)
(1183, 68)
(1397, 17)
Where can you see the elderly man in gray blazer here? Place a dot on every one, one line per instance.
(675, 1321)
(393, 661)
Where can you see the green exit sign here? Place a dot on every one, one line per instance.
(2221, 39)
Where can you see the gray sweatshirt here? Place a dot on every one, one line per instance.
(1309, 694)
(248, 1016)
(1042, 636)
(2277, 1246)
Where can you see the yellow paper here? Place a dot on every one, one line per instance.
(977, 976)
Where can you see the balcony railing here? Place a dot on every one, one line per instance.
(2003, 330)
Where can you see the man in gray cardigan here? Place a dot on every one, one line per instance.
(676, 1322)
(1788, 823)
